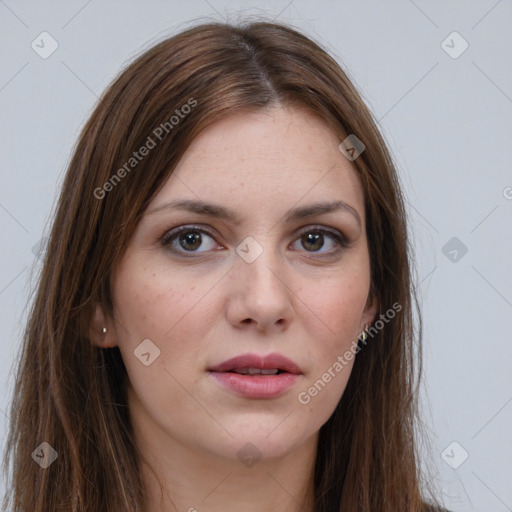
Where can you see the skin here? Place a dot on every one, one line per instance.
(211, 306)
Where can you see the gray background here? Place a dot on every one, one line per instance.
(447, 121)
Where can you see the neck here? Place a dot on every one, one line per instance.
(178, 477)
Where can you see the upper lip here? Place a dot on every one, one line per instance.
(262, 362)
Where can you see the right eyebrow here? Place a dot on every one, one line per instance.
(199, 207)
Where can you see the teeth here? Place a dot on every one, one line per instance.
(256, 371)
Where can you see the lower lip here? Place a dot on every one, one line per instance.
(260, 386)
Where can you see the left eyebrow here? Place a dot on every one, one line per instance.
(214, 210)
(321, 208)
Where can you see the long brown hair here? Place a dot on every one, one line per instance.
(71, 394)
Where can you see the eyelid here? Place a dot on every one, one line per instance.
(337, 234)
(166, 238)
(342, 240)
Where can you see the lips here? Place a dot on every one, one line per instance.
(255, 376)
(254, 364)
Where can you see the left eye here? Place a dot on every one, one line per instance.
(314, 240)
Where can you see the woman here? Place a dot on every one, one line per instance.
(224, 316)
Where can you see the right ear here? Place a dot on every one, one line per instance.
(101, 330)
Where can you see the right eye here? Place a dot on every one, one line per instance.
(188, 239)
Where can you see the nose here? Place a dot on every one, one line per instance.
(259, 296)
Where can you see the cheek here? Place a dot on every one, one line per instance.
(336, 304)
(153, 304)
(151, 301)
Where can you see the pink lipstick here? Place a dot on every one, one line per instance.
(257, 376)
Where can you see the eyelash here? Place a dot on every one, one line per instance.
(340, 239)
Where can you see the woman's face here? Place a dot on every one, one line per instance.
(247, 267)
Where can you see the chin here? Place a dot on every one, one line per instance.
(264, 441)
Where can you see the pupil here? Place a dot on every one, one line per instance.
(193, 239)
(315, 240)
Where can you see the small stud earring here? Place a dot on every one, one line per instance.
(104, 330)
(364, 334)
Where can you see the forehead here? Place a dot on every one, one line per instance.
(266, 159)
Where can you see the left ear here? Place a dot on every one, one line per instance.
(370, 311)
(101, 330)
